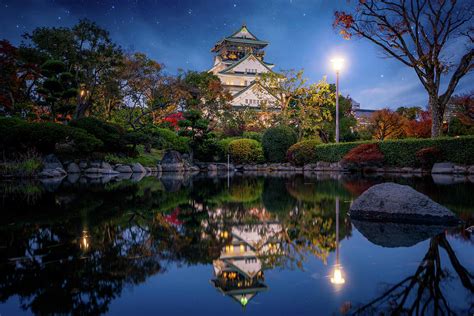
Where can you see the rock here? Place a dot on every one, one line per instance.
(396, 234)
(399, 203)
(470, 170)
(443, 167)
(148, 170)
(52, 173)
(123, 169)
(172, 162)
(73, 168)
(51, 162)
(83, 165)
(105, 165)
(212, 168)
(459, 169)
(100, 171)
(95, 164)
(137, 168)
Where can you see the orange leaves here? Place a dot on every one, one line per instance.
(344, 22)
(365, 154)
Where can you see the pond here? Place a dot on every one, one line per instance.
(262, 244)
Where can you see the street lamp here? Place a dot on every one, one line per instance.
(337, 64)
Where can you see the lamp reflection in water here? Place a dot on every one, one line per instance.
(337, 277)
(84, 241)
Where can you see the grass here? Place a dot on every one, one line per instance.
(23, 165)
(145, 159)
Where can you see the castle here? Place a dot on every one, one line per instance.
(238, 61)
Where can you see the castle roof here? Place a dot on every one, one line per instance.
(241, 36)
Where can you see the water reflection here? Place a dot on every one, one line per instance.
(74, 248)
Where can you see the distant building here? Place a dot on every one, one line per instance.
(361, 115)
(238, 60)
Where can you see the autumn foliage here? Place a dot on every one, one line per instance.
(386, 124)
(364, 154)
(419, 127)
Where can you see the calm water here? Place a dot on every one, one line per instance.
(276, 245)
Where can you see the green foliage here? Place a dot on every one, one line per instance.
(457, 128)
(276, 141)
(23, 165)
(163, 138)
(428, 156)
(112, 136)
(303, 152)
(253, 135)
(245, 151)
(194, 126)
(334, 152)
(224, 145)
(46, 137)
(147, 159)
(402, 152)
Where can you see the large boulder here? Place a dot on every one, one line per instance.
(123, 169)
(172, 162)
(393, 235)
(399, 203)
(73, 168)
(443, 167)
(137, 168)
(51, 162)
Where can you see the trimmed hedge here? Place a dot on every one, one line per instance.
(253, 135)
(303, 152)
(276, 141)
(402, 152)
(246, 151)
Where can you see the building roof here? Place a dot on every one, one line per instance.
(250, 86)
(243, 36)
(243, 59)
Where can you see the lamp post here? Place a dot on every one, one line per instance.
(337, 64)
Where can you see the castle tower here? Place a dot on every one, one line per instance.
(238, 61)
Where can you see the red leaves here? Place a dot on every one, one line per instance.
(173, 119)
(343, 21)
(420, 128)
(365, 154)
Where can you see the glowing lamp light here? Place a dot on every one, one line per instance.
(244, 300)
(337, 64)
(84, 244)
(337, 277)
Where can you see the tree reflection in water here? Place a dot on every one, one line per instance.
(74, 250)
(423, 293)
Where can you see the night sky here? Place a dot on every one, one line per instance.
(180, 34)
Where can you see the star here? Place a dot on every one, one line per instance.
(190, 11)
(235, 5)
(381, 76)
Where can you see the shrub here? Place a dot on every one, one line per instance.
(427, 157)
(112, 136)
(402, 152)
(164, 138)
(246, 151)
(276, 141)
(363, 155)
(224, 146)
(335, 152)
(303, 152)
(45, 137)
(253, 135)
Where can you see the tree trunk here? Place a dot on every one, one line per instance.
(437, 114)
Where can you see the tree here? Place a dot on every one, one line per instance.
(464, 108)
(420, 126)
(303, 106)
(57, 90)
(194, 126)
(19, 72)
(87, 51)
(347, 121)
(206, 94)
(418, 34)
(410, 113)
(386, 124)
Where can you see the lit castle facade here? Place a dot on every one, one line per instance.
(238, 60)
